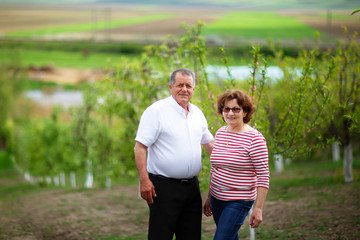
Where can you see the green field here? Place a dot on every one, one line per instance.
(86, 27)
(259, 25)
(58, 58)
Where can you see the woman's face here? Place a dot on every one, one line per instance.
(233, 114)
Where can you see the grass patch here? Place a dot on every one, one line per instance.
(140, 235)
(340, 16)
(75, 46)
(273, 233)
(16, 190)
(28, 57)
(5, 161)
(89, 26)
(264, 25)
(30, 84)
(308, 174)
(98, 60)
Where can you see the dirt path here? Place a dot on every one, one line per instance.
(42, 213)
(65, 75)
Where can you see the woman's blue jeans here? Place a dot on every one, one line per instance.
(229, 216)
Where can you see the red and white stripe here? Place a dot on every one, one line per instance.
(239, 164)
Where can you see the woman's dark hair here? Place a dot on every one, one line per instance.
(242, 99)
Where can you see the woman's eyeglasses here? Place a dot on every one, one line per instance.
(234, 110)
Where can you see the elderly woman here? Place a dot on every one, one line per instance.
(239, 168)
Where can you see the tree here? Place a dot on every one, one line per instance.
(344, 108)
(10, 88)
(288, 109)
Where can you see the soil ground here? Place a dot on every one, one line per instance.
(65, 75)
(328, 212)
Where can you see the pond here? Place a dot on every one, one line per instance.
(62, 98)
(240, 72)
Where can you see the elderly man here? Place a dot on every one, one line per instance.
(168, 159)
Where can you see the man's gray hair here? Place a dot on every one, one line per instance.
(183, 71)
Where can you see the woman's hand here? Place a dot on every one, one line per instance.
(207, 207)
(256, 218)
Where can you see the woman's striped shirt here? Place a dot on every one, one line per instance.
(239, 164)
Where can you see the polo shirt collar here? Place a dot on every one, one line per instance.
(177, 106)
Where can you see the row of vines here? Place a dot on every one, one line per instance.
(315, 103)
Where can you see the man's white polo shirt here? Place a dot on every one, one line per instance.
(173, 140)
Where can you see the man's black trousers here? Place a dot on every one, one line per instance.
(177, 209)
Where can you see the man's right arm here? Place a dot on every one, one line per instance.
(147, 189)
(209, 146)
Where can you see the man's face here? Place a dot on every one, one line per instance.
(182, 89)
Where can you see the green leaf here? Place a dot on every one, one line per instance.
(358, 10)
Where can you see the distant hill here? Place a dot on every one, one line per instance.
(240, 4)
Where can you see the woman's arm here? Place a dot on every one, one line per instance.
(256, 216)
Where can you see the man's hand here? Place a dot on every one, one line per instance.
(207, 208)
(147, 190)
